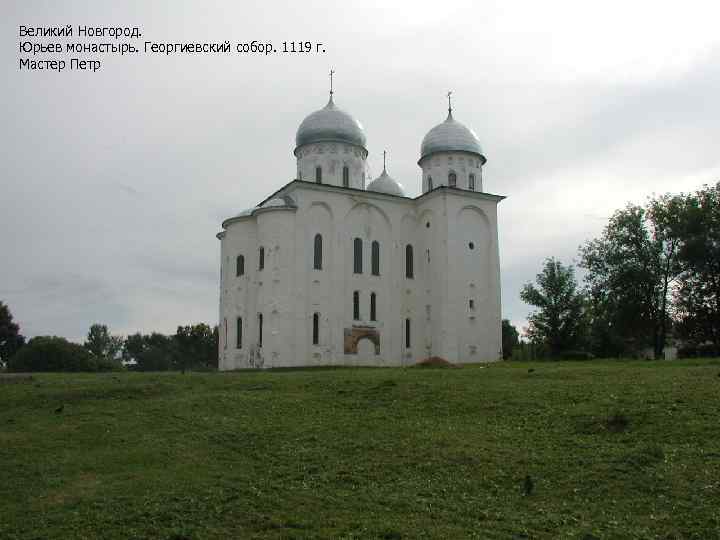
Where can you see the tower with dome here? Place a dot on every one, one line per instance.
(333, 269)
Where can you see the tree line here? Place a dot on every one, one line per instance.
(191, 347)
(652, 277)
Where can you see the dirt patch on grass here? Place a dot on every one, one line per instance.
(435, 362)
(85, 485)
(617, 422)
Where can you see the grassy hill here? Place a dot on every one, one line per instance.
(612, 449)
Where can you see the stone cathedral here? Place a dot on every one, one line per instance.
(329, 270)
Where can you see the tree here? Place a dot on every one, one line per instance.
(52, 353)
(197, 346)
(191, 347)
(697, 298)
(558, 322)
(631, 269)
(101, 344)
(154, 352)
(510, 338)
(10, 338)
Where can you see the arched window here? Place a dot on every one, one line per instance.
(373, 307)
(471, 182)
(356, 305)
(317, 260)
(318, 175)
(357, 256)
(260, 329)
(408, 261)
(239, 332)
(452, 179)
(316, 328)
(346, 176)
(261, 258)
(240, 265)
(407, 333)
(375, 258)
(430, 185)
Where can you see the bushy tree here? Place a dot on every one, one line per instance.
(697, 298)
(103, 345)
(153, 352)
(631, 270)
(10, 338)
(52, 353)
(510, 338)
(558, 322)
(197, 346)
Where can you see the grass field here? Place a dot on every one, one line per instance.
(613, 449)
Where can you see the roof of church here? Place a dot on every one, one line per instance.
(291, 205)
(450, 136)
(283, 202)
(330, 124)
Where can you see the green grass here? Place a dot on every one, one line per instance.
(614, 449)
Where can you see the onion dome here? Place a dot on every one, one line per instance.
(451, 136)
(330, 124)
(386, 184)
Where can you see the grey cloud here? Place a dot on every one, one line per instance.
(65, 304)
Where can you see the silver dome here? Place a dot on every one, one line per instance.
(450, 136)
(330, 124)
(386, 184)
(280, 202)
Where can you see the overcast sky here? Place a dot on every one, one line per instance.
(115, 183)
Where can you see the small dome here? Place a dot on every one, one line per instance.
(450, 136)
(330, 124)
(280, 202)
(386, 184)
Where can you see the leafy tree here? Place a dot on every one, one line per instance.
(101, 344)
(697, 298)
(52, 353)
(154, 352)
(510, 338)
(631, 269)
(10, 338)
(197, 345)
(193, 346)
(558, 322)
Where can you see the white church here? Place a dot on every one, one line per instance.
(330, 271)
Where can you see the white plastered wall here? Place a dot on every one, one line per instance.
(289, 290)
